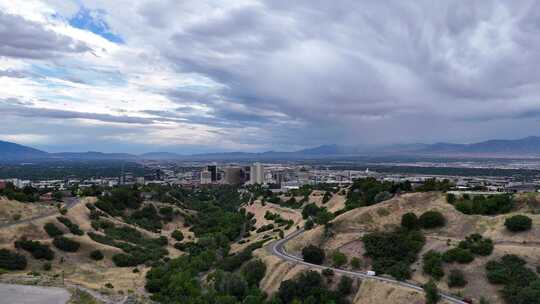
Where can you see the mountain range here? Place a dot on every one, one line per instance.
(525, 147)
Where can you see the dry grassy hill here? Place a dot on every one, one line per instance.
(350, 226)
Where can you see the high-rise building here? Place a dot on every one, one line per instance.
(213, 172)
(256, 174)
(206, 177)
(233, 175)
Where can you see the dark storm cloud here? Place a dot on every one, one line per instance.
(349, 63)
(21, 38)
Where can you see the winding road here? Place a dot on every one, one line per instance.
(278, 249)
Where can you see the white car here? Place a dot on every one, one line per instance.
(371, 273)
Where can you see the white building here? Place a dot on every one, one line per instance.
(256, 175)
(206, 177)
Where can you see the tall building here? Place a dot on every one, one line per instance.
(233, 175)
(213, 172)
(256, 175)
(206, 177)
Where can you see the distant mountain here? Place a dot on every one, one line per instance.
(525, 147)
(529, 146)
(10, 150)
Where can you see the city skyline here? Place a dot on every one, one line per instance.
(213, 76)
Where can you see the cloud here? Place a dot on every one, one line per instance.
(22, 38)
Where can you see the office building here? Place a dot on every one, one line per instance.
(257, 174)
(206, 177)
(233, 175)
(213, 172)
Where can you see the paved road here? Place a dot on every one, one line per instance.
(69, 203)
(278, 249)
(22, 294)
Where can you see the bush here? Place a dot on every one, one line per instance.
(355, 263)
(477, 244)
(313, 254)
(96, 255)
(38, 250)
(47, 266)
(409, 221)
(338, 259)
(450, 198)
(253, 272)
(124, 260)
(518, 223)
(456, 278)
(52, 230)
(345, 286)
(327, 272)
(432, 293)
(11, 260)
(65, 244)
(432, 219)
(433, 264)
(309, 225)
(177, 235)
(73, 228)
(459, 255)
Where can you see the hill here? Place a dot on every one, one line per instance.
(10, 150)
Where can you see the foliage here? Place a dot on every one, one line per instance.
(409, 221)
(451, 198)
(117, 200)
(433, 264)
(38, 250)
(338, 258)
(146, 218)
(124, 260)
(367, 191)
(431, 219)
(73, 228)
(432, 293)
(96, 255)
(484, 205)
(433, 184)
(11, 260)
(313, 254)
(177, 235)
(393, 252)
(459, 255)
(521, 284)
(345, 286)
(456, 278)
(52, 230)
(355, 262)
(66, 244)
(518, 223)
(309, 287)
(309, 225)
(253, 272)
(477, 244)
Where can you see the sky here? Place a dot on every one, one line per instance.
(198, 76)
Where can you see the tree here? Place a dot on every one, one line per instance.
(177, 235)
(432, 219)
(338, 258)
(460, 255)
(52, 230)
(11, 260)
(450, 198)
(432, 293)
(253, 272)
(345, 286)
(313, 254)
(409, 221)
(518, 223)
(96, 255)
(309, 225)
(456, 278)
(65, 244)
(355, 263)
(432, 264)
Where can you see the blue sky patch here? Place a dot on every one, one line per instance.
(94, 21)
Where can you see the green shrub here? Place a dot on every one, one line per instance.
(11, 260)
(456, 278)
(65, 244)
(124, 260)
(253, 272)
(477, 244)
(345, 286)
(177, 235)
(432, 219)
(459, 255)
(518, 223)
(313, 254)
(327, 272)
(96, 255)
(52, 230)
(338, 259)
(38, 250)
(355, 263)
(309, 225)
(73, 228)
(450, 198)
(433, 264)
(47, 266)
(410, 221)
(432, 293)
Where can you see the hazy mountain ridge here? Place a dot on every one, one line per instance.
(529, 146)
